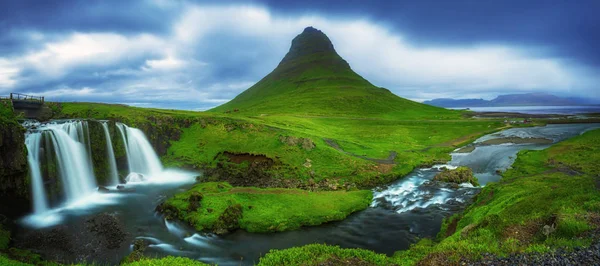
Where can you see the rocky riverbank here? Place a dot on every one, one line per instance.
(578, 256)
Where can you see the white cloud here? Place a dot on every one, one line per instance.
(8, 74)
(71, 92)
(168, 63)
(95, 49)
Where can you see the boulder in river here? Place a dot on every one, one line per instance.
(459, 175)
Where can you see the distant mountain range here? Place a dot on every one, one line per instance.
(527, 99)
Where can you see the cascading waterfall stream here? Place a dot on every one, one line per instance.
(121, 129)
(112, 162)
(140, 156)
(63, 180)
(73, 162)
(32, 142)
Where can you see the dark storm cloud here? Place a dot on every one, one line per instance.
(88, 15)
(21, 20)
(568, 28)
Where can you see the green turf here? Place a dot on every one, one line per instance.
(267, 210)
(8, 262)
(166, 261)
(318, 254)
(4, 238)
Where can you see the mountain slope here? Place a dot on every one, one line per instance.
(312, 79)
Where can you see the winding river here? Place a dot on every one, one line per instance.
(402, 212)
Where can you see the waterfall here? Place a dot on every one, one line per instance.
(79, 131)
(122, 131)
(140, 155)
(112, 162)
(32, 142)
(73, 159)
(66, 147)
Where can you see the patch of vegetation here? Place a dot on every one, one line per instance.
(459, 175)
(166, 261)
(137, 254)
(4, 238)
(222, 208)
(318, 254)
(8, 262)
(25, 256)
(549, 199)
(6, 112)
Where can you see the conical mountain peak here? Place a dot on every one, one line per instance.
(312, 79)
(310, 41)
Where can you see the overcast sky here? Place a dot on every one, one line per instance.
(199, 54)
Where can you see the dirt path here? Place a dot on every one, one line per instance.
(463, 139)
(388, 160)
(264, 191)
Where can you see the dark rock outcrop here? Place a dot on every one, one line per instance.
(94, 239)
(14, 183)
(229, 219)
(244, 169)
(310, 41)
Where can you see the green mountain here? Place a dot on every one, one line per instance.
(312, 79)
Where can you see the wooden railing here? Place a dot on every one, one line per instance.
(28, 98)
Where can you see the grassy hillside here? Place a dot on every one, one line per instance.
(313, 79)
(362, 146)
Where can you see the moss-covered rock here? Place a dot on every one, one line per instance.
(14, 181)
(459, 175)
(319, 254)
(169, 211)
(50, 171)
(194, 200)
(139, 246)
(99, 153)
(166, 261)
(229, 219)
(304, 143)
(25, 256)
(4, 238)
